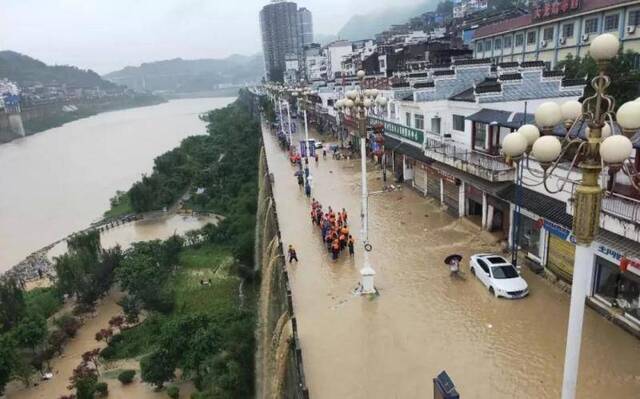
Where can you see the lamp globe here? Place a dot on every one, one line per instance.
(615, 149)
(604, 47)
(628, 115)
(546, 149)
(548, 115)
(530, 132)
(571, 110)
(514, 145)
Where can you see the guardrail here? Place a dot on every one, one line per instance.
(491, 167)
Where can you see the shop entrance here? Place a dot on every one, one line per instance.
(621, 290)
(474, 211)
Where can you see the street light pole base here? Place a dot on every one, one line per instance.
(367, 280)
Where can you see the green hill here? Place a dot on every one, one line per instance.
(185, 76)
(25, 70)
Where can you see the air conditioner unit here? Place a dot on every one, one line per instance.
(585, 37)
(631, 29)
(562, 40)
(543, 43)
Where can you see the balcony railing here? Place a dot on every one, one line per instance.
(489, 167)
(614, 204)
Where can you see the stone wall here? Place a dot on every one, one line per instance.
(279, 366)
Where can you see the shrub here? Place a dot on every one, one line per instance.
(68, 324)
(102, 389)
(173, 392)
(126, 377)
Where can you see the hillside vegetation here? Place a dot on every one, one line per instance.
(25, 70)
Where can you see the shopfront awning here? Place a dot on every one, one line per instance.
(503, 118)
(405, 148)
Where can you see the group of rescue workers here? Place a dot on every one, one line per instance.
(334, 228)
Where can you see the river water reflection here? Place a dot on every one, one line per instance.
(59, 181)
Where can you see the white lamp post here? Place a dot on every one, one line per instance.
(600, 146)
(358, 102)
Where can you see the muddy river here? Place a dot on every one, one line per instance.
(424, 322)
(59, 181)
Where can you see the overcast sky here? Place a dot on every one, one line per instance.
(106, 35)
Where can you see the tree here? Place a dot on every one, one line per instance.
(625, 78)
(12, 303)
(157, 368)
(31, 332)
(8, 359)
(131, 309)
(86, 271)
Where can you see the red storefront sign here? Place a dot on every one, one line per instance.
(553, 8)
(630, 265)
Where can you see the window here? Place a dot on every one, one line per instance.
(519, 39)
(435, 125)
(479, 47)
(498, 44)
(634, 18)
(458, 123)
(504, 272)
(407, 119)
(591, 25)
(529, 235)
(548, 34)
(419, 119)
(531, 37)
(497, 260)
(382, 64)
(567, 31)
(481, 136)
(487, 46)
(611, 22)
(483, 266)
(507, 42)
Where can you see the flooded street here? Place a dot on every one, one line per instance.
(424, 322)
(59, 181)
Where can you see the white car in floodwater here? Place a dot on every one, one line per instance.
(498, 275)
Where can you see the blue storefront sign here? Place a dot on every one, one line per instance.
(559, 231)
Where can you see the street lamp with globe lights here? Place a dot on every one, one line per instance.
(602, 146)
(358, 103)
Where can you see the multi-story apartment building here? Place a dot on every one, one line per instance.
(305, 23)
(336, 51)
(280, 36)
(554, 29)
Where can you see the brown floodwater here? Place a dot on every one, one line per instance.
(57, 182)
(424, 322)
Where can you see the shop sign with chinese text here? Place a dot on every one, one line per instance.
(545, 9)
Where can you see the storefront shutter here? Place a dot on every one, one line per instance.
(451, 197)
(561, 256)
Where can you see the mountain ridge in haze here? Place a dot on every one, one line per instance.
(183, 76)
(366, 26)
(25, 70)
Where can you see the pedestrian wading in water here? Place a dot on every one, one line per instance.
(292, 254)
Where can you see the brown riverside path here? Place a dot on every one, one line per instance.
(423, 322)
